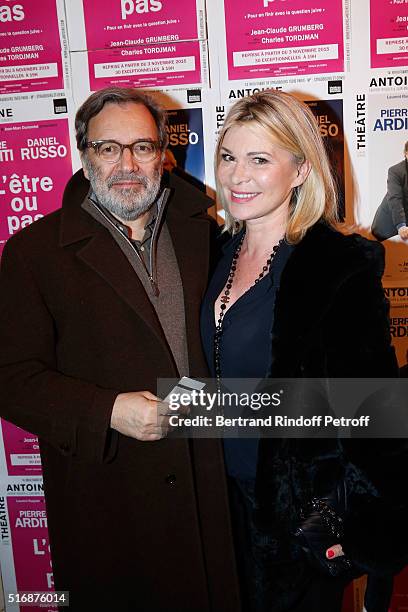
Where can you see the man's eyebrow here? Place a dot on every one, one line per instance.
(134, 141)
(145, 140)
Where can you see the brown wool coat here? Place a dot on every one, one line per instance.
(139, 526)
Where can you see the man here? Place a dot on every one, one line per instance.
(392, 215)
(98, 301)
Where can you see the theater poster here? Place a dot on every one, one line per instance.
(387, 134)
(35, 167)
(30, 549)
(329, 116)
(389, 33)
(275, 38)
(398, 297)
(30, 47)
(186, 146)
(164, 66)
(21, 451)
(123, 23)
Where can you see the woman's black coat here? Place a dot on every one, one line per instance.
(331, 321)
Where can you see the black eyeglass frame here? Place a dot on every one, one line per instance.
(95, 144)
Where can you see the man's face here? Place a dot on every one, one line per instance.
(127, 188)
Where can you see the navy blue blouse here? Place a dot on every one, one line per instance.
(245, 341)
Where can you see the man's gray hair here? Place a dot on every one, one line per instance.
(117, 95)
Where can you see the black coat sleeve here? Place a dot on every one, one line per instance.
(356, 331)
(72, 415)
(360, 346)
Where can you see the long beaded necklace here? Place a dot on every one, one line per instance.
(225, 298)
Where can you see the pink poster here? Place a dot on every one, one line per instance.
(36, 164)
(145, 66)
(389, 33)
(275, 38)
(31, 549)
(30, 48)
(21, 450)
(124, 23)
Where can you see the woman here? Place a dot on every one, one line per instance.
(292, 298)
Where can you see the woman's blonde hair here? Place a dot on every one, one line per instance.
(291, 125)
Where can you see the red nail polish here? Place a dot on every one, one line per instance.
(330, 554)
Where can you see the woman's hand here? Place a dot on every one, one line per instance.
(334, 551)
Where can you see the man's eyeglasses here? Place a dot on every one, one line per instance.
(111, 151)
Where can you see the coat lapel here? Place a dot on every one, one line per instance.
(97, 249)
(190, 232)
(105, 258)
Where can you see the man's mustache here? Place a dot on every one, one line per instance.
(128, 177)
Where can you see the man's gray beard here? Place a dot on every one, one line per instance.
(128, 204)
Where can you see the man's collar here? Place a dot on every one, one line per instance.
(121, 225)
(77, 224)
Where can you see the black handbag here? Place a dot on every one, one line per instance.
(321, 527)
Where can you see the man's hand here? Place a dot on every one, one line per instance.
(140, 415)
(403, 233)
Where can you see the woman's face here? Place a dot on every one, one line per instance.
(255, 174)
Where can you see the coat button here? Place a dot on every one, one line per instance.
(64, 448)
(171, 479)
